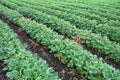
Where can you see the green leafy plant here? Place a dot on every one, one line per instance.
(75, 56)
(22, 64)
(102, 44)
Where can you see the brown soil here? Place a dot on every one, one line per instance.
(43, 52)
(105, 57)
(63, 71)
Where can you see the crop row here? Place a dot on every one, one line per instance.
(101, 6)
(81, 5)
(84, 62)
(22, 65)
(102, 44)
(90, 7)
(107, 5)
(113, 32)
(82, 13)
(98, 14)
(109, 16)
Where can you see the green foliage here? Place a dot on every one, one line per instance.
(102, 44)
(90, 24)
(22, 64)
(85, 62)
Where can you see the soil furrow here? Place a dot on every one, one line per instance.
(105, 57)
(63, 71)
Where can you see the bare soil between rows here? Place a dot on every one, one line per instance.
(43, 52)
(106, 58)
